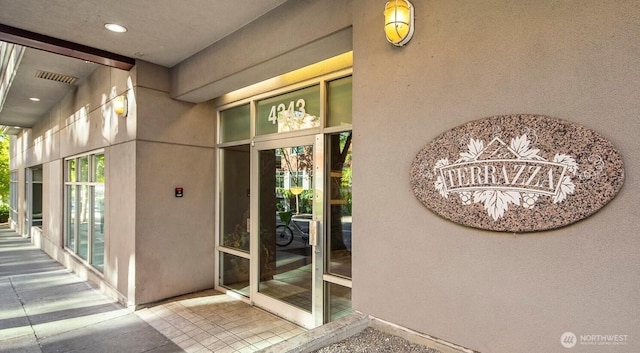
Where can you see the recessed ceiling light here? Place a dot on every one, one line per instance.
(34, 99)
(114, 27)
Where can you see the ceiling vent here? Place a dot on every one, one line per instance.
(45, 75)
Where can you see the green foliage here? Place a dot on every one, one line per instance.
(4, 209)
(4, 168)
(285, 193)
(4, 212)
(288, 200)
(345, 190)
(306, 201)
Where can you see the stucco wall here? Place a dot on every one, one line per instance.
(174, 236)
(83, 122)
(120, 215)
(51, 195)
(488, 291)
(295, 34)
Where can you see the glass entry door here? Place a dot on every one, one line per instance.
(284, 236)
(288, 183)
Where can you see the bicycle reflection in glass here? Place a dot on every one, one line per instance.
(284, 232)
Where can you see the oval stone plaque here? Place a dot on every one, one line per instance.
(517, 173)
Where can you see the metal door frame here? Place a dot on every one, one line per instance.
(287, 311)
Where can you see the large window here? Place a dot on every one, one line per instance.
(13, 194)
(33, 189)
(84, 207)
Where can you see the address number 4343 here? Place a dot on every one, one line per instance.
(280, 108)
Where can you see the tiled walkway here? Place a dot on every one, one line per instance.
(214, 322)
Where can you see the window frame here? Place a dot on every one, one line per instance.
(325, 128)
(76, 182)
(13, 195)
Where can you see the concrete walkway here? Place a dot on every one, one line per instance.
(46, 308)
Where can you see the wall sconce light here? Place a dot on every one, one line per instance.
(398, 22)
(120, 106)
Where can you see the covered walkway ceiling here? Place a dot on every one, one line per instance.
(163, 32)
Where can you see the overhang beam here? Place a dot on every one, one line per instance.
(63, 47)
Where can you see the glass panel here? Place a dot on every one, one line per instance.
(234, 273)
(84, 206)
(13, 195)
(28, 192)
(83, 225)
(339, 102)
(99, 168)
(339, 301)
(285, 212)
(36, 174)
(339, 237)
(71, 217)
(291, 111)
(71, 171)
(236, 165)
(235, 124)
(36, 211)
(97, 245)
(84, 168)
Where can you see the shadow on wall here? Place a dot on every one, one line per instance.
(83, 134)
